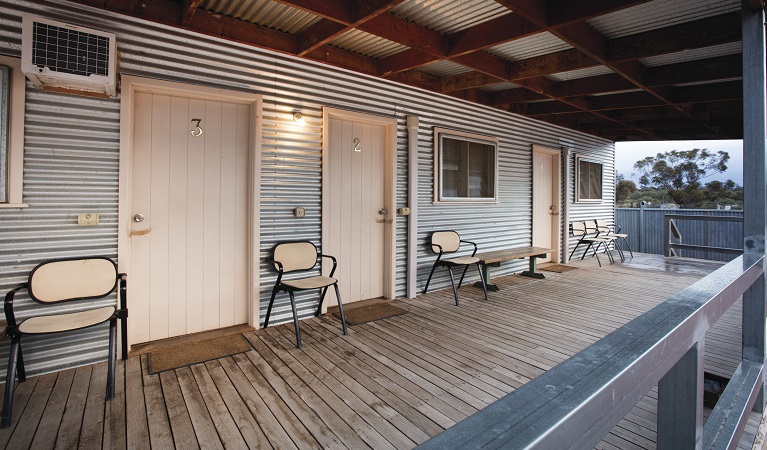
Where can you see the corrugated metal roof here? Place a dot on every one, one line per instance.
(580, 73)
(444, 68)
(730, 48)
(659, 14)
(529, 47)
(268, 13)
(449, 16)
(367, 44)
(499, 87)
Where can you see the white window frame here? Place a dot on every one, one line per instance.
(15, 149)
(472, 137)
(578, 198)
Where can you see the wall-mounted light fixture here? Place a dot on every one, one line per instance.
(299, 118)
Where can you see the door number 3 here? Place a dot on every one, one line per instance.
(197, 132)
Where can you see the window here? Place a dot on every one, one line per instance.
(12, 86)
(589, 178)
(465, 167)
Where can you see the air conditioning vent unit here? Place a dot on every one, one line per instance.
(64, 57)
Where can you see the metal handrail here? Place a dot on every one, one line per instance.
(670, 230)
(575, 404)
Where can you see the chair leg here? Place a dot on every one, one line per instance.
(585, 252)
(340, 308)
(452, 282)
(269, 308)
(112, 359)
(628, 246)
(322, 299)
(573, 252)
(295, 319)
(10, 381)
(124, 337)
(460, 283)
(21, 371)
(426, 288)
(482, 278)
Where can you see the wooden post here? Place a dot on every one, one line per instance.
(754, 179)
(680, 403)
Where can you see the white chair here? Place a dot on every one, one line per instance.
(301, 256)
(445, 242)
(607, 230)
(581, 231)
(65, 280)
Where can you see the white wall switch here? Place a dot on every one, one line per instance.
(404, 211)
(299, 212)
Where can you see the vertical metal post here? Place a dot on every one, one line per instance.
(565, 201)
(641, 228)
(412, 219)
(754, 178)
(680, 403)
(666, 236)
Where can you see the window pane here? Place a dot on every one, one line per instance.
(466, 167)
(452, 162)
(589, 180)
(481, 170)
(5, 72)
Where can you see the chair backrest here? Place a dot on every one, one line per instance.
(602, 226)
(449, 240)
(295, 255)
(579, 229)
(72, 279)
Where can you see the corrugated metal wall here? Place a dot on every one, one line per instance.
(645, 229)
(72, 154)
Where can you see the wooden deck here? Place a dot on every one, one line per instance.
(390, 384)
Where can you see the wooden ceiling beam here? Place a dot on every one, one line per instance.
(494, 32)
(241, 31)
(468, 80)
(396, 29)
(567, 11)
(404, 61)
(717, 68)
(511, 96)
(593, 85)
(335, 10)
(562, 61)
(318, 35)
(697, 34)
(187, 11)
(342, 58)
(417, 79)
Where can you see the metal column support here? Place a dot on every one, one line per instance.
(412, 219)
(680, 403)
(754, 179)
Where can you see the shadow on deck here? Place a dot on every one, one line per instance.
(392, 383)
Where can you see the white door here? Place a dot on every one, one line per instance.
(189, 205)
(356, 213)
(546, 200)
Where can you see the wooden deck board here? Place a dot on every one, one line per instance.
(390, 384)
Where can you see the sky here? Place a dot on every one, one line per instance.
(627, 153)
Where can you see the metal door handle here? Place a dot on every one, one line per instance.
(138, 218)
(382, 211)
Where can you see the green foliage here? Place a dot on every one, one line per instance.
(624, 189)
(679, 174)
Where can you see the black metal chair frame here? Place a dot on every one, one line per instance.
(615, 231)
(449, 264)
(16, 358)
(587, 238)
(604, 233)
(279, 286)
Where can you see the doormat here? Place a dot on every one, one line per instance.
(187, 354)
(365, 314)
(558, 268)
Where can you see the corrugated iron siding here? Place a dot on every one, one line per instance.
(72, 141)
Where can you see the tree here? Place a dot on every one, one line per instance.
(679, 173)
(623, 190)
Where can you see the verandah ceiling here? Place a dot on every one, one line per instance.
(620, 69)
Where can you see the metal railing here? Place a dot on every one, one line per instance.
(672, 236)
(578, 402)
